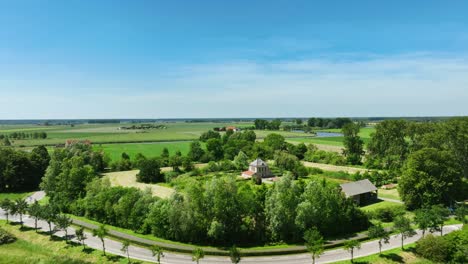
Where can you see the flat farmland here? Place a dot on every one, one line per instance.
(111, 133)
(153, 149)
(333, 141)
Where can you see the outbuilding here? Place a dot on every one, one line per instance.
(362, 191)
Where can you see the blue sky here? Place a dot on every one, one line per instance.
(168, 59)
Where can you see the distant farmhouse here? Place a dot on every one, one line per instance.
(257, 168)
(233, 128)
(361, 192)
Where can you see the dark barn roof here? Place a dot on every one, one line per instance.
(357, 187)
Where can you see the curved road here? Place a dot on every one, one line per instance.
(140, 253)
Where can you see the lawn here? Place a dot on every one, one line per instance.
(147, 149)
(14, 196)
(128, 179)
(380, 204)
(32, 247)
(392, 256)
(389, 194)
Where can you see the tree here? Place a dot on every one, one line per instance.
(311, 122)
(158, 253)
(215, 148)
(20, 207)
(49, 214)
(35, 211)
(298, 121)
(150, 171)
(423, 218)
(241, 161)
(101, 232)
(274, 141)
(378, 232)
(430, 177)
(460, 212)
(63, 222)
(388, 148)
(197, 254)
(210, 134)
(439, 215)
(314, 243)
(350, 246)
(196, 151)
(403, 227)
(437, 249)
(280, 209)
(175, 162)
(124, 249)
(353, 144)
(7, 206)
(81, 236)
(234, 254)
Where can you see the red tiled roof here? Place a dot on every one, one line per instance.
(250, 173)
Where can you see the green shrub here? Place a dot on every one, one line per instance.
(387, 214)
(6, 237)
(434, 248)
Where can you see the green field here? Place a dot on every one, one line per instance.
(114, 151)
(14, 196)
(110, 133)
(32, 247)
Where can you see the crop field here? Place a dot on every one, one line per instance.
(151, 149)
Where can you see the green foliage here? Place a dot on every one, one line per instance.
(21, 171)
(157, 252)
(150, 171)
(210, 134)
(430, 177)
(117, 206)
(241, 161)
(350, 246)
(323, 207)
(313, 154)
(234, 254)
(353, 144)
(404, 228)
(314, 243)
(387, 214)
(198, 254)
(378, 232)
(275, 141)
(6, 237)
(101, 232)
(433, 248)
(388, 148)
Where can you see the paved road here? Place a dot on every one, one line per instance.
(140, 253)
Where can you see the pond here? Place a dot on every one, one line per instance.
(328, 134)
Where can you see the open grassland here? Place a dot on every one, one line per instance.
(32, 247)
(128, 179)
(393, 256)
(114, 151)
(389, 194)
(379, 205)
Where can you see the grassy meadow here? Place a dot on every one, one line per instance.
(150, 149)
(32, 247)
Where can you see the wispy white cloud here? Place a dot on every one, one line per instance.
(408, 84)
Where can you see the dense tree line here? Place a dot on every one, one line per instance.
(431, 159)
(20, 170)
(262, 124)
(69, 171)
(339, 122)
(22, 135)
(225, 212)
